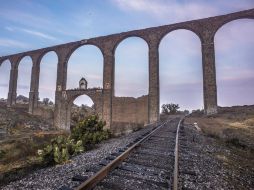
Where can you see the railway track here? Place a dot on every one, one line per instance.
(150, 162)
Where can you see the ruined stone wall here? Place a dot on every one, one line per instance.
(45, 113)
(129, 114)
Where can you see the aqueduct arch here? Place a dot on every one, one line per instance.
(25, 65)
(177, 71)
(136, 49)
(70, 95)
(5, 66)
(236, 64)
(204, 28)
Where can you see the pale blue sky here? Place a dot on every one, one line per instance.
(29, 24)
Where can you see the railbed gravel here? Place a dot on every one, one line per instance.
(209, 163)
(61, 175)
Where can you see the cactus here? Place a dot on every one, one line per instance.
(87, 133)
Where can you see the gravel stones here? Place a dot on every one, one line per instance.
(208, 163)
(85, 164)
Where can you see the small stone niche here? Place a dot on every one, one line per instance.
(83, 83)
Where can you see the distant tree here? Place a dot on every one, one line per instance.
(83, 106)
(186, 112)
(170, 108)
(45, 101)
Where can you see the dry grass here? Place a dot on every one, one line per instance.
(20, 151)
(234, 126)
(249, 122)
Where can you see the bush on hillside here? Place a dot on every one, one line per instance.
(84, 136)
(90, 131)
(170, 108)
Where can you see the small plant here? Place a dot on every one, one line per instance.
(170, 108)
(85, 135)
(60, 150)
(2, 153)
(73, 147)
(235, 142)
(60, 155)
(90, 131)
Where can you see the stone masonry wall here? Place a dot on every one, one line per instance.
(129, 114)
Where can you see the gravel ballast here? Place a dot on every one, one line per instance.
(210, 163)
(83, 164)
(204, 163)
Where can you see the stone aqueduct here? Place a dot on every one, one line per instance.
(122, 111)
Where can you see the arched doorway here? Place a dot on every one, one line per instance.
(86, 61)
(131, 68)
(47, 82)
(81, 107)
(5, 68)
(24, 80)
(87, 102)
(234, 47)
(181, 80)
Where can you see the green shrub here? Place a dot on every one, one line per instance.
(90, 131)
(84, 136)
(235, 142)
(2, 154)
(60, 150)
(73, 147)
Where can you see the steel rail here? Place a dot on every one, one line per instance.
(175, 183)
(176, 153)
(102, 173)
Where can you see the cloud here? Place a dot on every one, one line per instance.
(170, 10)
(94, 76)
(24, 87)
(4, 85)
(10, 29)
(178, 11)
(24, 18)
(83, 99)
(12, 43)
(30, 31)
(231, 35)
(235, 92)
(230, 74)
(39, 34)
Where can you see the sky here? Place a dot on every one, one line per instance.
(28, 24)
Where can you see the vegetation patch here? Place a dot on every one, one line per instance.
(84, 136)
(2, 153)
(235, 142)
(233, 126)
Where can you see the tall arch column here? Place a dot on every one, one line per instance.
(154, 89)
(108, 85)
(209, 76)
(34, 86)
(60, 112)
(12, 94)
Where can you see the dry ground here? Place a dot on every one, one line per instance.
(20, 155)
(232, 131)
(24, 135)
(234, 125)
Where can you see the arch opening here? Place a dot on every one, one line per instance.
(131, 68)
(234, 63)
(85, 62)
(47, 81)
(24, 80)
(5, 69)
(80, 108)
(181, 78)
